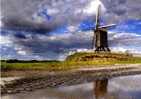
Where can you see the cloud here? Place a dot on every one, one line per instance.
(21, 52)
(121, 10)
(31, 45)
(50, 14)
(47, 15)
(5, 40)
(48, 47)
(91, 8)
(57, 46)
(48, 29)
(11, 49)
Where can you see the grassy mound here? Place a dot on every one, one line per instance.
(103, 57)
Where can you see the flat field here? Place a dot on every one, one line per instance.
(75, 61)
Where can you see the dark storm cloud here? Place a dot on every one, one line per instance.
(55, 43)
(25, 25)
(21, 13)
(45, 47)
(18, 13)
(18, 10)
(120, 10)
(21, 36)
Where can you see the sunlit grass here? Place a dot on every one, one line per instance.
(75, 61)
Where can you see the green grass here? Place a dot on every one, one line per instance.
(74, 61)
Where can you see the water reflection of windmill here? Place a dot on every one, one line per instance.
(100, 38)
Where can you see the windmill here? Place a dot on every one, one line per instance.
(100, 37)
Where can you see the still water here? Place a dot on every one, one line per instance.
(128, 87)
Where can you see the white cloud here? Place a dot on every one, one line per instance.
(5, 40)
(52, 11)
(71, 12)
(72, 28)
(91, 8)
(123, 36)
(21, 52)
(38, 18)
(125, 39)
(118, 49)
(8, 41)
(1, 23)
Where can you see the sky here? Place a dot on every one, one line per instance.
(50, 29)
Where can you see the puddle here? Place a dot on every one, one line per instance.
(127, 87)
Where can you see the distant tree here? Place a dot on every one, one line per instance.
(12, 61)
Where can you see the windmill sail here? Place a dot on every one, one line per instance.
(107, 26)
(97, 17)
(97, 25)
